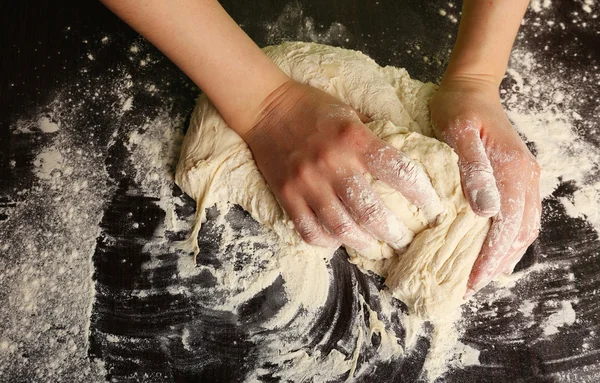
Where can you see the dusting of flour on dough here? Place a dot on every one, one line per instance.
(430, 277)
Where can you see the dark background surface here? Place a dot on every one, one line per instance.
(44, 46)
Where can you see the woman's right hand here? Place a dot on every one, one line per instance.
(314, 152)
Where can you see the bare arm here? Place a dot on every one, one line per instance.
(201, 38)
(284, 124)
(485, 37)
(500, 177)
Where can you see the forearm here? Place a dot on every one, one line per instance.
(485, 37)
(201, 38)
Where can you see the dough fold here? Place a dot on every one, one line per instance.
(431, 276)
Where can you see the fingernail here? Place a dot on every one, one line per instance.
(487, 201)
(402, 243)
(470, 292)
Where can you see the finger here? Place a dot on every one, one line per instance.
(531, 224)
(503, 231)
(339, 223)
(371, 213)
(405, 175)
(476, 173)
(307, 225)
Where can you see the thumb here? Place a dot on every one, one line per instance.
(476, 172)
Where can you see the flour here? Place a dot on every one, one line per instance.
(47, 244)
(587, 6)
(49, 163)
(584, 204)
(293, 25)
(128, 104)
(540, 5)
(563, 317)
(63, 187)
(216, 166)
(537, 118)
(54, 210)
(48, 126)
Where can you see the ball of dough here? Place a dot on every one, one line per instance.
(431, 276)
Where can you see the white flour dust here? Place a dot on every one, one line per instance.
(47, 245)
(292, 24)
(545, 110)
(563, 317)
(55, 209)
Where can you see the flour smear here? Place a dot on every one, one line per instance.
(55, 208)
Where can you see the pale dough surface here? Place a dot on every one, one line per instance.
(431, 276)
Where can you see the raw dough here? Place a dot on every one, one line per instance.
(431, 276)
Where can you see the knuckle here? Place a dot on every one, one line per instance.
(300, 173)
(325, 156)
(457, 128)
(523, 160)
(475, 167)
(287, 189)
(353, 134)
(342, 229)
(311, 236)
(463, 120)
(309, 229)
(405, 169)
(369, 214)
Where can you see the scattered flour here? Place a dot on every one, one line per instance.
(527, 307)
(563, 317)
(540, 5)
(53, 214)
(128, 104)
(292, 24)
(49, 163)
(552, 124)
(585, 204)
(45, 267)
(47, 126)
(53, 219)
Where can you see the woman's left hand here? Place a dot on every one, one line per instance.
(500, 177)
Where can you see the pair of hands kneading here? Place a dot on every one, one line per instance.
(315, 153)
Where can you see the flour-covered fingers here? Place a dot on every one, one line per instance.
(339, 223)
(476, 173)
(370, 212)
(406, 176)
(307, 224)
(503, 231)
(531, 223)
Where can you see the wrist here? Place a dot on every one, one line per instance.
(243, 113)
(272, 109)
(473, 73)
(481, 83)
(485, 37)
